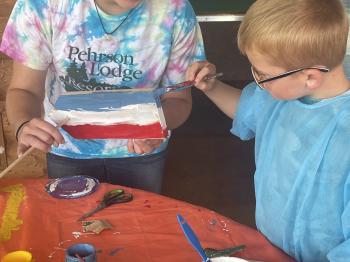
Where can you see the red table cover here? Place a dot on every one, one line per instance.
(145, 229)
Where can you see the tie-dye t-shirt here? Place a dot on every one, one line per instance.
(153, 47)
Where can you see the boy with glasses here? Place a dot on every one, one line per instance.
(298, 111)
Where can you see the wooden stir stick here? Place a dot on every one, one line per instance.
(19, 159)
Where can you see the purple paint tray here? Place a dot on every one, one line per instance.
(72, 187)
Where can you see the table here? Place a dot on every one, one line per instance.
(145, 229)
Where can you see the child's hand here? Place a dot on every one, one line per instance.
(143, 146)
(198, 71)
(39, 134)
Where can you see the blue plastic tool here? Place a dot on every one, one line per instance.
(192, 238)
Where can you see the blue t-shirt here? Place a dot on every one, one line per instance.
(152, 47)
(302, 177)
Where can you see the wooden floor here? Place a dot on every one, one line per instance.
(206, 165)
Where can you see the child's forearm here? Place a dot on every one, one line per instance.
(21, 106)
(25, 94)
(225, 97)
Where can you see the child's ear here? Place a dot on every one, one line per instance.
(314, 78)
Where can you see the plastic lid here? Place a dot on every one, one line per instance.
(72, 187)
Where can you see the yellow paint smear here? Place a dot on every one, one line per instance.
(10, 220)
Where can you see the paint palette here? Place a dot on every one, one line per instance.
(72, 187)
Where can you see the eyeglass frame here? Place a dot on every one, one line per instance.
(288, 73)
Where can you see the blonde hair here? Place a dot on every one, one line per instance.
(296, 33)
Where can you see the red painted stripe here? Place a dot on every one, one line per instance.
(116, 131)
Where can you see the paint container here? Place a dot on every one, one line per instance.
(18, 256)
(81, 252)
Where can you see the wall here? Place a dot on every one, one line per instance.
(221, 49)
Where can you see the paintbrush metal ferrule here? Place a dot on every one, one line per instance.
(213, 76)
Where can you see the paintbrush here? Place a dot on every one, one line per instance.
(29, 150)
(186, 84)
(181, 86)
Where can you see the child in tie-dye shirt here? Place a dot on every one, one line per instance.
(66, 46)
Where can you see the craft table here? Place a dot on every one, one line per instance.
(145, 229)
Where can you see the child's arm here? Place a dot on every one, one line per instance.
(23, 107)
(224, 96)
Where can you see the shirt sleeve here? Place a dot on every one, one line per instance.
(244, 123)
(187, 45)
(27, 35)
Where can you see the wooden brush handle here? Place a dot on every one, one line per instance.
(14, 163)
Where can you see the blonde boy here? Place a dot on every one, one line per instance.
(298, 111)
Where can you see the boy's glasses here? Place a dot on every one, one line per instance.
(260, 82)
